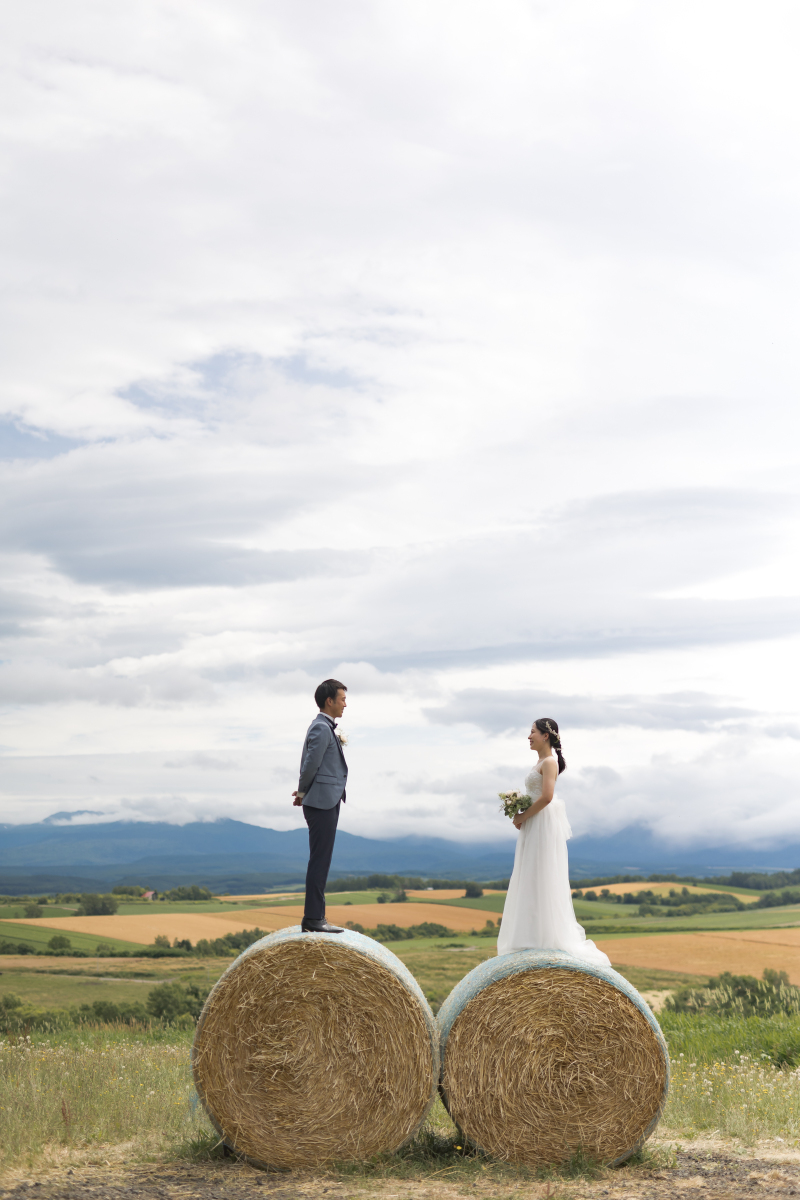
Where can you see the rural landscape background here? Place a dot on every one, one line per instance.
(101, 992)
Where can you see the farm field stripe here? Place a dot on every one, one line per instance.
(789, 936)
(663, 889)
(705, 953)
(142, 928)
(462, 920)
(37, 934)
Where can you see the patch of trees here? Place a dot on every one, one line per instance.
(776, 899)
(223, 947)
(7, 947)
(740, 995)
(192, 892)
(93, 905)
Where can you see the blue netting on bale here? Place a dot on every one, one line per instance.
(545, 1056)
(314, 1048)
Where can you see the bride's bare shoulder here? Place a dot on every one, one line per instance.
(548, 766)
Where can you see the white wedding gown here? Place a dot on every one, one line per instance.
(538, 913)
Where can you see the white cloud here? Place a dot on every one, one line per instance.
(447, 350)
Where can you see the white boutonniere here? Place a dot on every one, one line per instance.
(342, 737)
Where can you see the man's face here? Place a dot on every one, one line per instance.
(335, 708)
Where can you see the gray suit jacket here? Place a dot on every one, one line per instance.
(323, 771)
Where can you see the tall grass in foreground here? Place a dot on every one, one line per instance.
(711, 1037)
(95, 1089)
(745, 1098)
(78, 1094)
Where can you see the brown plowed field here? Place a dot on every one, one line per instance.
(742, 952)
(143, 927)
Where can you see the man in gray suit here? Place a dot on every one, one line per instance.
(323, 777)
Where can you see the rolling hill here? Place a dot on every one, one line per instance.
(59, 855)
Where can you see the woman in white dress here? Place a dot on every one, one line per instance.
(538, 913)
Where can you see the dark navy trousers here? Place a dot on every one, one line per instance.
(321, 824)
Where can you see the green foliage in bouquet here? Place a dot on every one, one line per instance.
(514, 802)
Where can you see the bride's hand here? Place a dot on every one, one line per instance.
(518, 819)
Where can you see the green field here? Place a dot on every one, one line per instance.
(17, 911)
(39, 935)
(492, 904)
(600, 917)
(437, 964)
(762, 918)
(64, 991)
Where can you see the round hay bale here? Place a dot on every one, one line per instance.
(545, 1056)
(314, 1047)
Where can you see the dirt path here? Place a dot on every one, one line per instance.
(697, 1173)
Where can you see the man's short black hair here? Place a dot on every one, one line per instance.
(327, 690)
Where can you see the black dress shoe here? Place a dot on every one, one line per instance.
(309, 926)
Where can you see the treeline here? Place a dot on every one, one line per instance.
(427, 929)
(684, 903)
(762, 882)
(757, 881)
(94, 904)
(681, 903)
(229, 943)
(232, 943)
(414, 883)
(776, 899)
(63, 949)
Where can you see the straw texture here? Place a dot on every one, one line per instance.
(545, 1056)
(312, 1048)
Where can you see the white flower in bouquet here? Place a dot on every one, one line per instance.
(342, 737)
(514, 802)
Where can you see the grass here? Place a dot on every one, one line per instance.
(602, 917)
(39, 935)
(11, 912)
(60, 991)
(489, 904)
(708, 1038)
(628, 923)
(438, 970)
(136, 907)
(73, 1096)
(73, 1093)
(331, 898)
(650, 979)
(748, 1099)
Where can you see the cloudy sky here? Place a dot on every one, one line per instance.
(448, 349)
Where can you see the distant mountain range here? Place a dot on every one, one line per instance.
(231, 856)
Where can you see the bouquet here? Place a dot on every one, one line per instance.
(514, 802)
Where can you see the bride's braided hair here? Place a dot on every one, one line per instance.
(549, 728)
